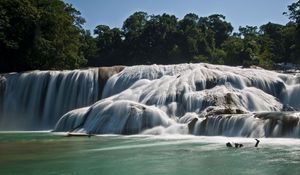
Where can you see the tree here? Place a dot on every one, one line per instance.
(39, 34)
(17, 21)
(44, 34)
(272, 39)
(233, 48)
(220, 28)
(248, 32)
(88, 47)
(290, 37)
(294, 15)
(294, 12)
(193, 39)
(133, 28)
(189, 35)
(249, 54)
(156, 38)
(134, 25)
(109, 46)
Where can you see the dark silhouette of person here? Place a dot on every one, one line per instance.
(257, 142)
(236, 145)
(228, 144)
(239, 145)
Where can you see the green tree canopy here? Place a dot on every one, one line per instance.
(39, 34)
(48, 34)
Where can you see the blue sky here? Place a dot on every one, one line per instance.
(238, 12)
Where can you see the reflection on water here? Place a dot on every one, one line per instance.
(48, 153)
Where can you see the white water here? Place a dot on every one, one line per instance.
(109, 117)
(224, 100)
(36, 100)
(250, 125)
(208, 92)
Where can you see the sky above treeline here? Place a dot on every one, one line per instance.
(239, 12)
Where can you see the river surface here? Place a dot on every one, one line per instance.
(46, 153)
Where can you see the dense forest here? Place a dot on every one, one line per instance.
(48, 34)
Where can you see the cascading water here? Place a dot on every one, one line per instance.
(266, 124)
(36, 100)
(224, 100)
(119, 117)
(200, 99)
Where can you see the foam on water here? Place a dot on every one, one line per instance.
(214, 142)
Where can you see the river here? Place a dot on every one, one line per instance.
(47, 153)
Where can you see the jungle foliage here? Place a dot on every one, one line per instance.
(48, 34)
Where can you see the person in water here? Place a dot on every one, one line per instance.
(239, 145)
(236, 145)
(228, 144)
(257, 142)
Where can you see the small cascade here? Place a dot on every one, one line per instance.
(178, 89)
(200, 77)
(36, 100)
(266, 124)
(109, 117)
(2, 90)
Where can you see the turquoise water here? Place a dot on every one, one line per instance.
(50, 154)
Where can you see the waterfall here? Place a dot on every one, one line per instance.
(266, 124)
(36, 100)
(157, 99)
(225, 100)
(177, 89)
(109, 117)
